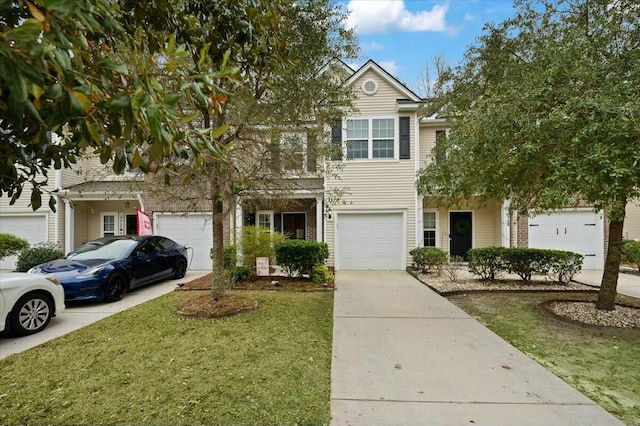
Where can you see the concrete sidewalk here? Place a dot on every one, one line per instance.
(78, 315)
(628, 282)
(402, 355)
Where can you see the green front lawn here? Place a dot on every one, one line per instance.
(149, 366)
(604, 364)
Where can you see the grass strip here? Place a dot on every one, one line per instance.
(149, 366)
(603, 364)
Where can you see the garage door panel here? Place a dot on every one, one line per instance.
(579, 232)
(192, 230)
(370, 241)
(31, 228)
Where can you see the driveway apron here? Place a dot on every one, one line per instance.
(403, 355)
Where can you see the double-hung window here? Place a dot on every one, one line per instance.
(371, 138)
(383, 137)
(429, 227)
(357, 139)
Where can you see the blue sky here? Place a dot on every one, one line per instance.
(404, 36)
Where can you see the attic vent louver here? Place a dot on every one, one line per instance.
(370, 87)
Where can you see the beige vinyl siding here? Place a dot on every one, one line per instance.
(487, 230)
(376, 186)
(383, 102)
(632, 221)
(427, 143)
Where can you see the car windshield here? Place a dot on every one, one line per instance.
(115, 249)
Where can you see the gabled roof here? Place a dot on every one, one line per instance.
(371, 65)
(338, 63)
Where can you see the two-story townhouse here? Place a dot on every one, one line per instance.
(364, 204)
(382, 217)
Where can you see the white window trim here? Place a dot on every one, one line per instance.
(396, 138)
(305, 142)
(115, 222)
(271, 218)
(436, 228)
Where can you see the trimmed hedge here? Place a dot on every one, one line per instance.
(297, 257)
(40, 253)
(240, 274)
(11, 245)
(428, 258)
(490, 262)
(631, 250)
(487, 262)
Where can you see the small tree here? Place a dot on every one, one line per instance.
(11, 245)
(258, 242)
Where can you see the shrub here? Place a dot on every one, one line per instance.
(239, 274)
(258, 242)
(40, 253)
(525, 262)
(564, 265)
(230, 256)
(428, 258)
(451, 269)
(297, 257)
(631, 250)
(321, 274)
(11, 245)
(487, 262)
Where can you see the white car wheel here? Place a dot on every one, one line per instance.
(31, 314)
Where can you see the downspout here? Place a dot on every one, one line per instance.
(56, 214)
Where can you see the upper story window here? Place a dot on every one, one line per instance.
(371, 138)
(440, 150)
(294, 151)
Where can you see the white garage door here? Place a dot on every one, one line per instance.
(31, 228)
(577, 231)
(191, 230)
(369, 241)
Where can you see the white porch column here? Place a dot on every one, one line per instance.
(69, 230)
(239, 221)
(319, 219)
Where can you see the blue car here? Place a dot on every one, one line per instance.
(107, 268)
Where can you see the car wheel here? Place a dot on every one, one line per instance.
(116, 288)
(181, 268)
(31, 314)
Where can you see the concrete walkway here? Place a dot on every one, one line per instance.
(628, 282)
(78, 315)
(402, 355)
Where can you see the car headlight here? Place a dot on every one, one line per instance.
(92, 272)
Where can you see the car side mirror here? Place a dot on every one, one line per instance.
(139, 253)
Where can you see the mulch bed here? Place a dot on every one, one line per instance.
(262, 283)
(232, 303)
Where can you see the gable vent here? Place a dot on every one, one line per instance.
(370, 87)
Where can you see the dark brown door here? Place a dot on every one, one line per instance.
(293, 225)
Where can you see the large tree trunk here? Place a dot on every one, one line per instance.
(609, 284)
(219, 278)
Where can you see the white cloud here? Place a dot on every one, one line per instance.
(380, 16)
(390, 66)
(373, 46)
(468, 17)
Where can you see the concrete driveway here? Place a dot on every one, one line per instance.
(628, 282)
(78, 315)
(403, 355)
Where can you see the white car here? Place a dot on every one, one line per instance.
(28, 302)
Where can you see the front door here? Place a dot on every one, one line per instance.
(293, 225)
(460, 233)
